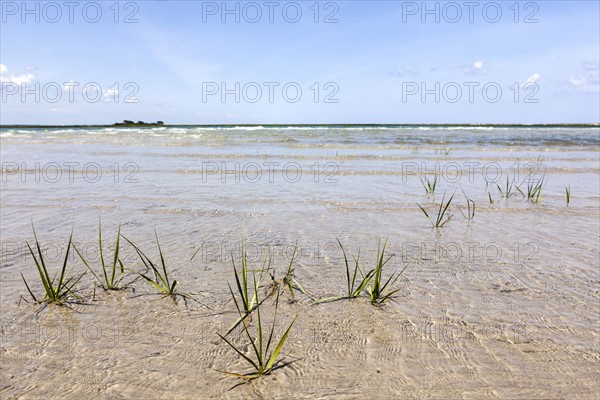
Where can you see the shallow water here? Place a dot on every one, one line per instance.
(504, 306)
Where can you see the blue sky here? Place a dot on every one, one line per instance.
(372, 62)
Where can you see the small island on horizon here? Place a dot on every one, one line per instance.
(127, 122)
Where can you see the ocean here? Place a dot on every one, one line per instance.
(506, 299)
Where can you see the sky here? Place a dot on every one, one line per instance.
(285, 62)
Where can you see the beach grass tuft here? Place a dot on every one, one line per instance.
(510, 189)
(59, 288)
(354, 290)
(112, 274)
(568, 192)
(370, 282)
(378, 291)
(534, 190)
(241, 280)
(290, 281)
(429, 185)
(264, 360)
(441, 218)
(159, 279)
(242, 285)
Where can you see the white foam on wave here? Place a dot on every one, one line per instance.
(249, 128)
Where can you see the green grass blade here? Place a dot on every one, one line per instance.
(302, 290)
(154, 283)
(158, 280)
(356, 270)
(49, 286)
(390, 282)
(64, 267)
(102, 263)
(427, 215)
(29, 290)
(387, 296)
(239, 352)
(245, 270)
(116, 258)
(347, 267)
(69, 289)
(328, 299)
(164, 278)
(273, 357)
(239, 286)
(85, 263)
(273, 325)
(43, 273)
(363, 283)
(259, 328)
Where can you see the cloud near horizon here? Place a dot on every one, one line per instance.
(587, 81)
(478, 68)
(532, 79)
(7, 77)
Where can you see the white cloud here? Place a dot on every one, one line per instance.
(60, 110)
(587, 81)
(91, 91)
(67, 85)
(8, 77)
(532, 79)
(478, 68)
(406, 71)
(111, 94)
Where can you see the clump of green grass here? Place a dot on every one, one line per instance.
(568, 192)
(354, 287)
(353, 290)
(160, 280)
(241, 280)
(160, 275)
(59, 288)
(247, 298)
(112, 274)
(534, 190)
(510, 190)
(441, 218)
(378, 292)
(289, 281)
(264, 361)
(429, 185)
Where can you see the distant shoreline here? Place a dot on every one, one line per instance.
(151, 126)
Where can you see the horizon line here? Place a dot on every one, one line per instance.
(154, 125)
